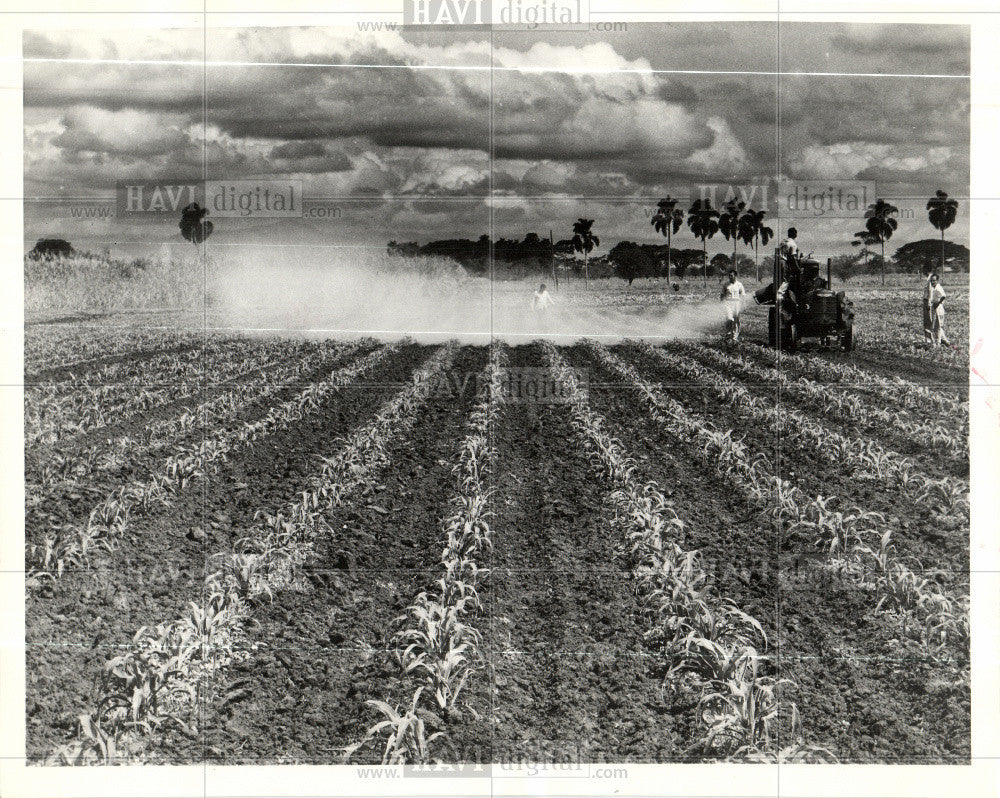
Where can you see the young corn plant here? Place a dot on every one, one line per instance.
(169, 667)
(112, 516)
(740, 711)
(698, 632)
(438, 643)
(406, 737)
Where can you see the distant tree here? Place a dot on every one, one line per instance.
(865, 241)
(667, 220)
(584, 241)
(719, 264)
(703, 220)
(408, 248)
(729, 224)
(685, 259)
(753, 232)
(194, 227)
(51, 247)
(925, 256)
(627, 260)
(942, 213)
(843, 266)
(881, 223)
(564, 246)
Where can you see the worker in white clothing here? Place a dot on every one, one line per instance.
(732, 301)
(541, 302)
(934, 297)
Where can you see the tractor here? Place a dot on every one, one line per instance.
(809, 309)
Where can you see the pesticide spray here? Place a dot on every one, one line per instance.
(310, 293)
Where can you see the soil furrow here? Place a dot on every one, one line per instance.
(937, 542)
(324, 651)
(76, 624)
(567, 627)
(816, 622)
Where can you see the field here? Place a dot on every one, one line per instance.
(280, 548)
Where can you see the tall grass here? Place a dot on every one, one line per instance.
(93, 282)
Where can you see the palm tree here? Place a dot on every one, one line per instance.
(881, 224)
(584, 241)
(703, 220)
(666, 221)
(729, 224)
(942, 212)
(753, 230)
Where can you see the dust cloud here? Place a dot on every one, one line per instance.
(431, 299)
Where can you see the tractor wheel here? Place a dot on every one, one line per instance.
(847, 337)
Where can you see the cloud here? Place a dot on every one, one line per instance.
(451, 134)
(866, 161)
(131, 133)
(308, 156)
(923, 40)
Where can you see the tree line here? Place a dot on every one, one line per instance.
(738, 223)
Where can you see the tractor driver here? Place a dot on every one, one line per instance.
(789, 252)
(785, 297)
(790, 247)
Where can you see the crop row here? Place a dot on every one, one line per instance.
(947, 495)
(64, 348)
(436, 640)
(72, 544)
(905, 335)
(701, 634)
(907, 349)
(918, 398)
(68, 466)
(158, 367)
(199, 352)
(905, 339)
(850, 533)
(170, 669)
(51, 417)
(53, 412)
(837, 405)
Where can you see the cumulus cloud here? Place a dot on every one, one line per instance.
(559, 118)
(128, 132)
(864, 160)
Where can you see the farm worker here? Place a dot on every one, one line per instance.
(540, 304)
(928, 319)
(935, 303)
(789, 251)
(542, 299)
(789, 248)
(732, 301)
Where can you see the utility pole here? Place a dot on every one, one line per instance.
(552, 247)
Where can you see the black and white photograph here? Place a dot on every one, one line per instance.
(508, 396)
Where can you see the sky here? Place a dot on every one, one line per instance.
(415, 135)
